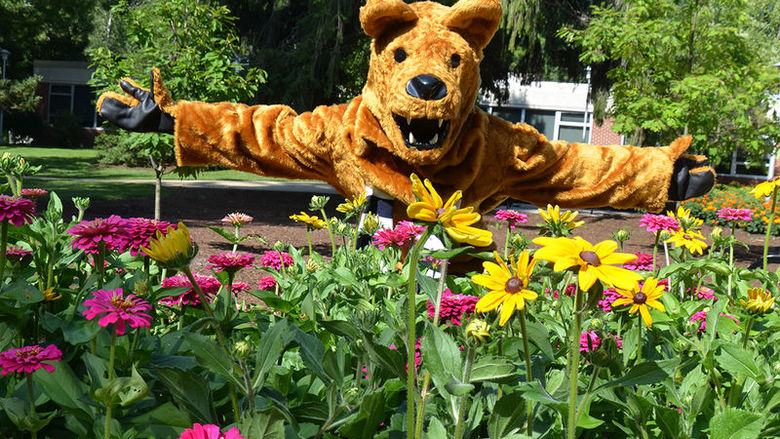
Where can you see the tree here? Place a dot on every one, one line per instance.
(192, 42)
(700, 67)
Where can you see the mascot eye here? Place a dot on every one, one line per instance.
(455, 60)
(399, 55)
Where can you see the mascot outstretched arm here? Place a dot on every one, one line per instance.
(417, 114)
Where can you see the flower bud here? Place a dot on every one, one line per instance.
(596, 324)
(621, 235)
(370, 224)
(478, 331)
(279, 246)
(312, 266)
(141, 288)
(318, 202)
(717, 232)
(241, 349)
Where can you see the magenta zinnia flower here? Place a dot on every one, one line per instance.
(276, 260)
(701, 316)
(16, 210)
(704, 293)
(237, 219)
(141, 230)
(34, 193)
(208, 284)
(410, 228)
(595, 341)
(454, 307)
(643, 262)
(730, 214)
(209, 431)
(118, 309)
(230, 261)
(512, 217)
(16, 253)
(113, 231)
(29, 359)
(384, 238)
(266, 283)
(570, 290)
(654, 223)
(240, 286)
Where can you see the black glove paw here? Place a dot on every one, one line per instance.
(143, 117)
(692, 177)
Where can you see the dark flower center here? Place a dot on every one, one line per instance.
(591, 258)
(27, 354)
(513, 285)
(640, 298)
(687, 237)
(440, 211)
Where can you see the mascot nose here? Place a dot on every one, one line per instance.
(426, 87)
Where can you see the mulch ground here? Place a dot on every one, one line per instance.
(201, 208)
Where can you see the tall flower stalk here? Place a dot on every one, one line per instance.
(769, 225)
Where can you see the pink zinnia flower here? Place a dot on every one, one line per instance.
(29, 359)
(384, 238)
(266, 283)
(701, 316)
(570, 290)
(595, 341)
(141, 230)
(113, 231)
(512, 217)
(240, 286)
(454, 307)
(276, 260)
(704, 293)
(654, 223)
(610, 295)
(237, 219)
(118, 309)
(16, 210)
(34, 193)
(209, 431)
(410, 228)
(208, 284)
(230, 261)
(16, 253)
(643, 262)
(730, 214)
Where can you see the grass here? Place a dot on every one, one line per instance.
(98, 190)
(82, 163)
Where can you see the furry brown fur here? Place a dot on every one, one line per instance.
(366, 142)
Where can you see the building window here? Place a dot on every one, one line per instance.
(78, 100)
(739, 166)
(555, 125)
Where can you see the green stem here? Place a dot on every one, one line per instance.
(3, 245)
(506, 243)
(574, 352)
(100, 259)
(236, 234)
(427, 380)
(308, 237)
(748, 328)
(731, 259)
(204, 300)
(528, 372)
(639, 338)
(109, 405)
(736, 390)
(769, 226)
(655, 250)
(588, 392)
(32, 401)
(411, 338)
(330, 232)
(470, 354)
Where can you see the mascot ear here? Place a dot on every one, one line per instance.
(476, 20)
(379, 16)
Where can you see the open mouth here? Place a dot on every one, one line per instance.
(422, 134)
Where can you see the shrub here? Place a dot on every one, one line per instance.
(735, 196)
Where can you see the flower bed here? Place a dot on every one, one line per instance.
(107, 331)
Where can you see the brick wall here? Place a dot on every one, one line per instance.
(603, 135)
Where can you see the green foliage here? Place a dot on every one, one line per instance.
(703, 68)
(195, 46)
(19, 95)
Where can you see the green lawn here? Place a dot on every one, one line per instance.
(82, 163)
(97, 190)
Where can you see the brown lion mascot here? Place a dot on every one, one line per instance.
(416, 114)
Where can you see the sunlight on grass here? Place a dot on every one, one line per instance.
(82, 163)
(96, 190)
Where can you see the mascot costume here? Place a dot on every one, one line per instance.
(416, 114)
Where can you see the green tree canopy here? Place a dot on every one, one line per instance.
(703, 67)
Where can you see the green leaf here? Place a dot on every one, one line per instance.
(212, 356)
(494, 369)
(273, 301)
(449, 254)
(229, 236)
(540, 337)
(268, 352)
(736, 424)
(368, 418)
(312, 352)
(191, 392)
(442, 356)
(65, 389)
(165, 420)
(390, 359)
(668, 421)
(507, 417)
(645, 373)
(535, 392)
(456, 388)
(436, 430)
(125, 390)
(738, 361)
(23, 293)
(262, 425)
(341, 328)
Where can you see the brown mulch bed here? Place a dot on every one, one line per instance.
(200, 208)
